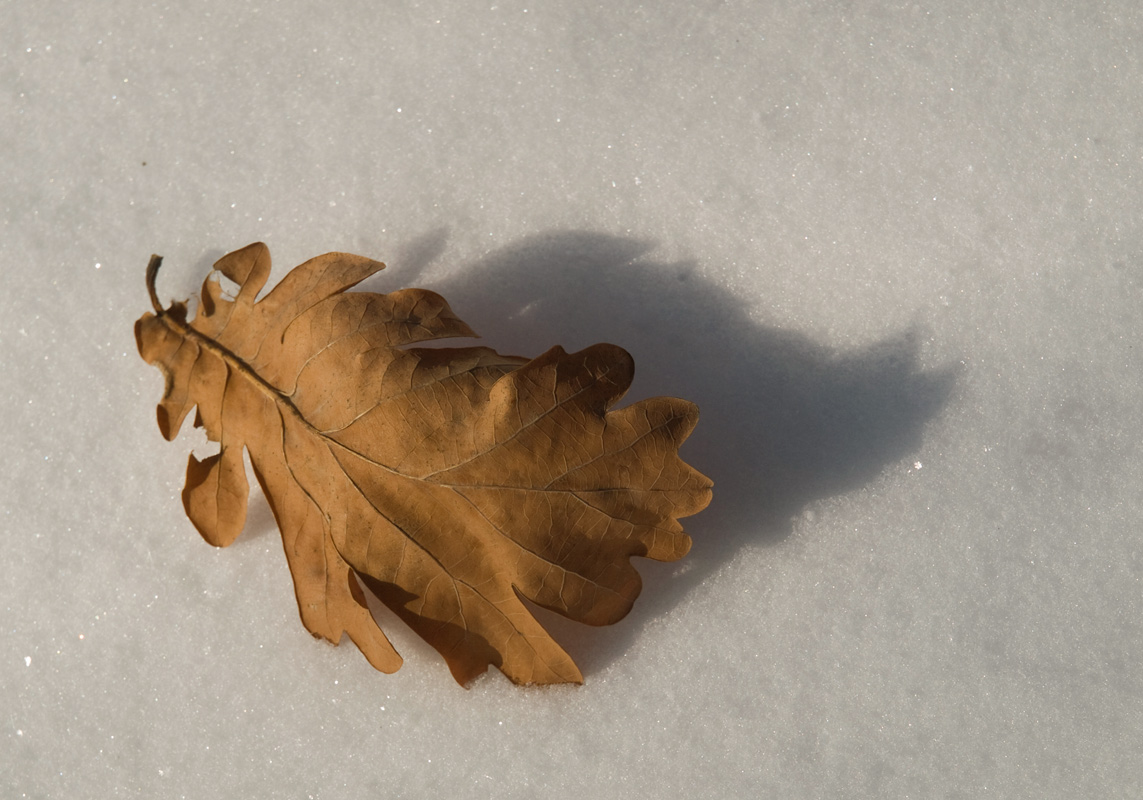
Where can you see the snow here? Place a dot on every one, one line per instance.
(862, 237)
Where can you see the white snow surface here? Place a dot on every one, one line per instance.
(893, 250)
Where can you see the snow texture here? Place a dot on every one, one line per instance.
(893, 251)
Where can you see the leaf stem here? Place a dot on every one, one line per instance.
(152, 271)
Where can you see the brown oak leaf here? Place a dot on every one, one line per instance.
(452, 482)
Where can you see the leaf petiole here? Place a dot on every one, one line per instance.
(152, 271)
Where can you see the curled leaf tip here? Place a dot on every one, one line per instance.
(152, 271)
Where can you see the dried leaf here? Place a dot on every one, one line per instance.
(452, 482)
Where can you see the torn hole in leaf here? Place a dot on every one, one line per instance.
(230, 289)
(204, 448)
(194, 437)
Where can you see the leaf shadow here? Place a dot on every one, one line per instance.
(784, 420)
